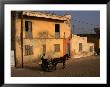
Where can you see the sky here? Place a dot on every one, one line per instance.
(82, 21)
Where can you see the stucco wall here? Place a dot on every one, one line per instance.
(12, 58)
(18, 42)
(85, 47)
(38, 26)
(38, 49)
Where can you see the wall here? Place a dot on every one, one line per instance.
(12, 59)
(38, 50)
(47, 25)
(38, 26)
(18, 53)
(93, 38)
(75, 53)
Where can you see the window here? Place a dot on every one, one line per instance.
(57, 27)
(80, 46)
(91, 49)
(57, 30)
(28, 29)
(28, 50)
(57, 47)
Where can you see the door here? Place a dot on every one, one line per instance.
(44, 48)
(68, 49)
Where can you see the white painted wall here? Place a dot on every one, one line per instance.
(12, 58)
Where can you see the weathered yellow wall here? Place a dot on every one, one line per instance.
(38, 26)
(38, 49)
(85, 47)
(18, 43)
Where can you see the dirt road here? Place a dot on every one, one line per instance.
(78, 67)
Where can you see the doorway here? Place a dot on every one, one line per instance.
(44, 48)
(68, 49)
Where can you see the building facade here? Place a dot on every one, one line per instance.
(80, 47)
(36, 33)
(93, 38)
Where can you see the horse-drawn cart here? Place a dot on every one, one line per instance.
(47, 65)
(50, 64)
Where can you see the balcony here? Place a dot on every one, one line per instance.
(57, 34)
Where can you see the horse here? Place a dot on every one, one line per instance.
(63, 59)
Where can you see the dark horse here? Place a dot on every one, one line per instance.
(63, 59)
(50, 65)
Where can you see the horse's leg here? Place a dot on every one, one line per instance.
(63, 65)
(55, 66)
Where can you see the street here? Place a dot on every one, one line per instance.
(75, 67)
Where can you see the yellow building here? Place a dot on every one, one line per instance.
(80, 47)
(36, 33)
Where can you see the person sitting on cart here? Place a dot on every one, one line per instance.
(46, 61)
(49, 59)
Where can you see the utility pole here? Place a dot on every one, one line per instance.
(16, 17)
(22, 36)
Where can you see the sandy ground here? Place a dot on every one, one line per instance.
(75, 67)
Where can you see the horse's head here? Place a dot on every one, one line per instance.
(67, 56)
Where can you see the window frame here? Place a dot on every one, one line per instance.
(28, 29)
(28, 50)
(57, 30)
(91, 48)
(80, 47)
(56, 47)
